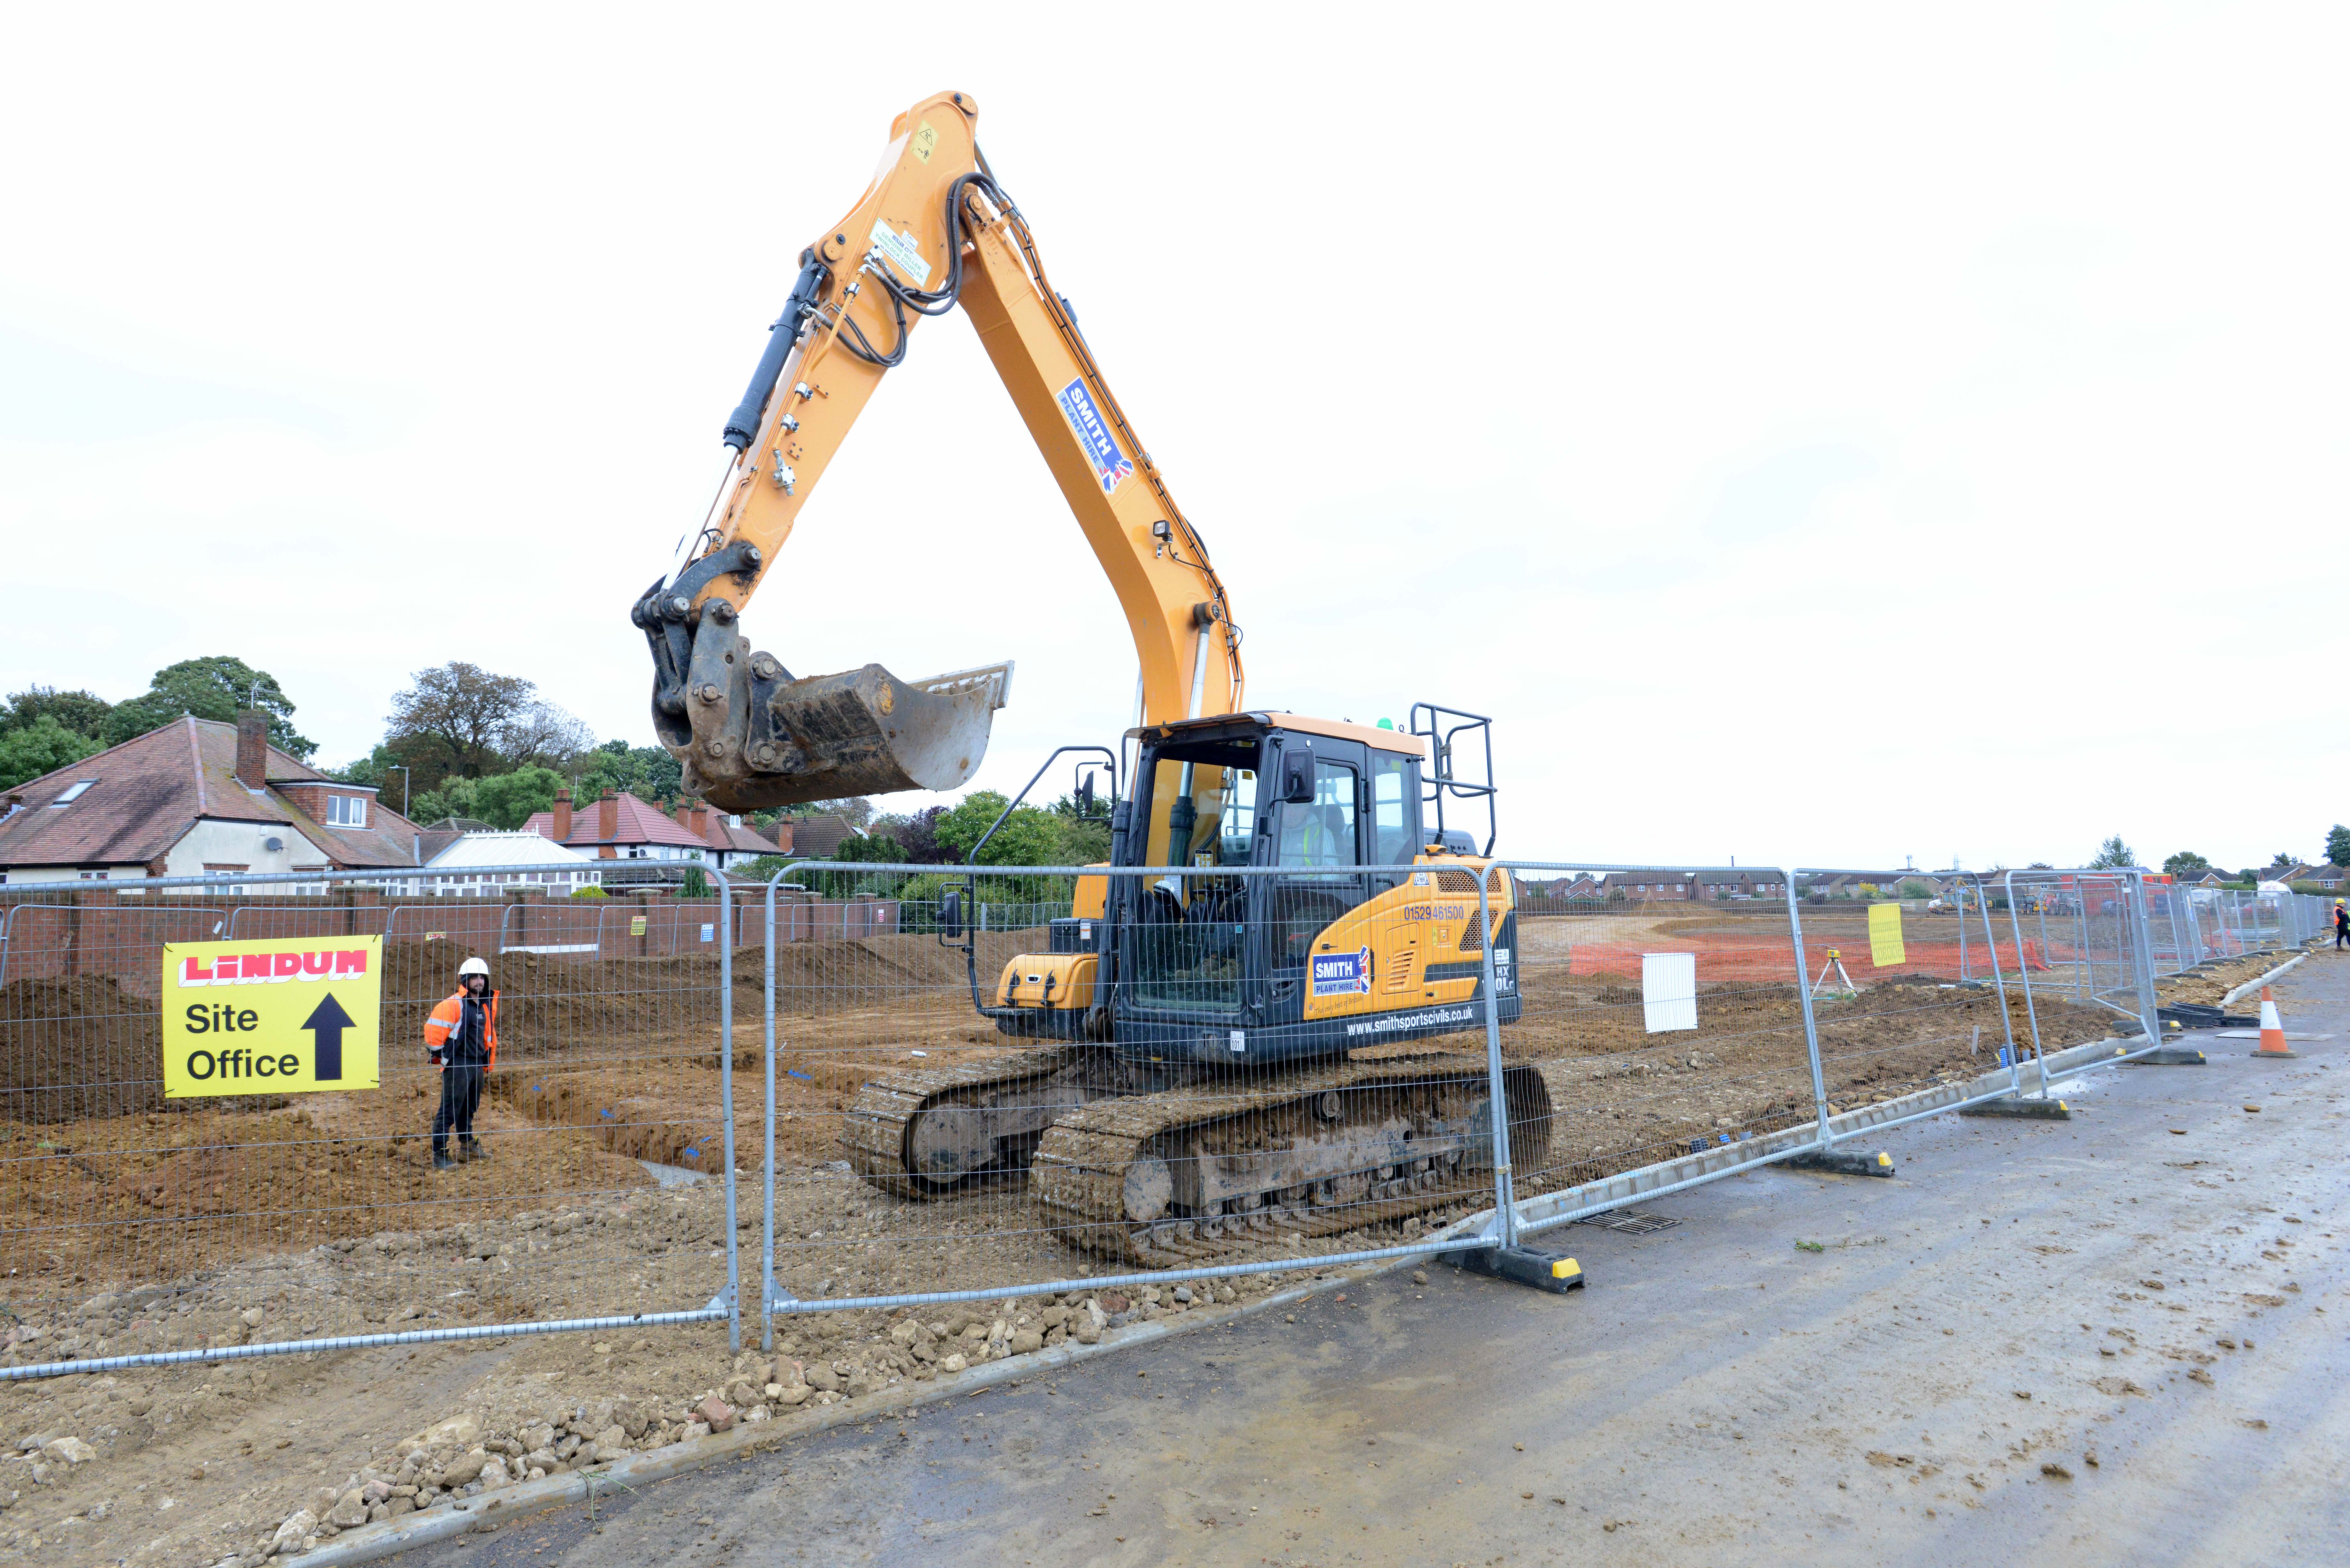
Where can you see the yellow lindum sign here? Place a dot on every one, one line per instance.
(284, 1016)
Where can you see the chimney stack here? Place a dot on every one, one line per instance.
(562, 815)
(608, 817)
(252, 750)
(783, 835)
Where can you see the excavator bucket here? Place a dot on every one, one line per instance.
(762, 739)
(863, 731)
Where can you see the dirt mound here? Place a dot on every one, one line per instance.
(77, 1049)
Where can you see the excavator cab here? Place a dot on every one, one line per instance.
(1369, 932)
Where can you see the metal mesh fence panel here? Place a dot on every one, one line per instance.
(1662, 1015)
(1198, 1070)
(1915, 994)
(211, 1223)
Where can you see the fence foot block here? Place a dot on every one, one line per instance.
(2169, 1056)
(1878, 1164)
(1522, 1265)
(2021, 1110)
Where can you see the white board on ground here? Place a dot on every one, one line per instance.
(1669, 991)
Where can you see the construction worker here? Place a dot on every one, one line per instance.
(2341, 926)
(461, 1038)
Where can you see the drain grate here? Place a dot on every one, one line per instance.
(1633, 1221)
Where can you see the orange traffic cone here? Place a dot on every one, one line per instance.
(2272, 1045)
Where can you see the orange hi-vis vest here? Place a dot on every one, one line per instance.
(444, 1023)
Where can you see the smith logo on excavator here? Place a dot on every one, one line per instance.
(1264, 868)
(1111, 464)
(1343, 974)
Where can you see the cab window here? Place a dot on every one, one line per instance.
(1391, 805)
(1322, 834)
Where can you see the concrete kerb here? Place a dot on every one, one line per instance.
(2255, 983)
(492, 1510)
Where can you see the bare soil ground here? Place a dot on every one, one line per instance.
(182, 1229)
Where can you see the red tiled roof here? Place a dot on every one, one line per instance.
(639, 824)
(151, 790)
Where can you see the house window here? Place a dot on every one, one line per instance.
(73, 793)
(347, 811)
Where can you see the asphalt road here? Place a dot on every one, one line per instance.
(2097, 1341)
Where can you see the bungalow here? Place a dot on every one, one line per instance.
(468, 864)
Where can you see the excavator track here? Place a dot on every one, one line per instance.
(1195, 1174)
(880, 1137)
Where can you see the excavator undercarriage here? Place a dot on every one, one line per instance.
(1159, 1168)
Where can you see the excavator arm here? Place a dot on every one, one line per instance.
(933, 231)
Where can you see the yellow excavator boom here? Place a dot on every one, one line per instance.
(933, 231)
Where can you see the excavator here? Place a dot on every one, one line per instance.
(1200, 1074)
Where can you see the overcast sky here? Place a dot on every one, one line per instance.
(1816, 435)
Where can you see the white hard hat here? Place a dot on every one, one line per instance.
(473, 966)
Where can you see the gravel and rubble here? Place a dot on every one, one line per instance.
(240, 1460)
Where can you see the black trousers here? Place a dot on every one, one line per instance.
(2341, 936)
(460, 1095)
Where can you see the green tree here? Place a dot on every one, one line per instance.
(1085, 836)
(216, 688)
(508, 800)
(878, 849)
(694, 885)
(451, 720)
(2283, 859)
(82, 713)
(1028, 836)
(2338, 844)
(649, 773)
(2113, 853)
(44, 747)
(2185, 862)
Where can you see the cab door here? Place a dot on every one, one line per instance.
(1392, 835)
(1319, 844)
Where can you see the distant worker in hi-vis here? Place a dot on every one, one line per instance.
(2341, 926)
(462, 1040)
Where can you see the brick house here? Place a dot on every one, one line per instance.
(1736, 884)
(193, 796)
(815, 837)
(731, 843)
(1649, 884)
(618, 826)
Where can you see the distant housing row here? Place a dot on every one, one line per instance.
(200, 797)
(1659, 883)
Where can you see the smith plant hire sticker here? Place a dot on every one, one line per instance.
(1343, 974)
(1110, 463)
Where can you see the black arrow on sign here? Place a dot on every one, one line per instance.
(326, 1024)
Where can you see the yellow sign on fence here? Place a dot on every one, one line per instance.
(291, 1015)
(1885, 949)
